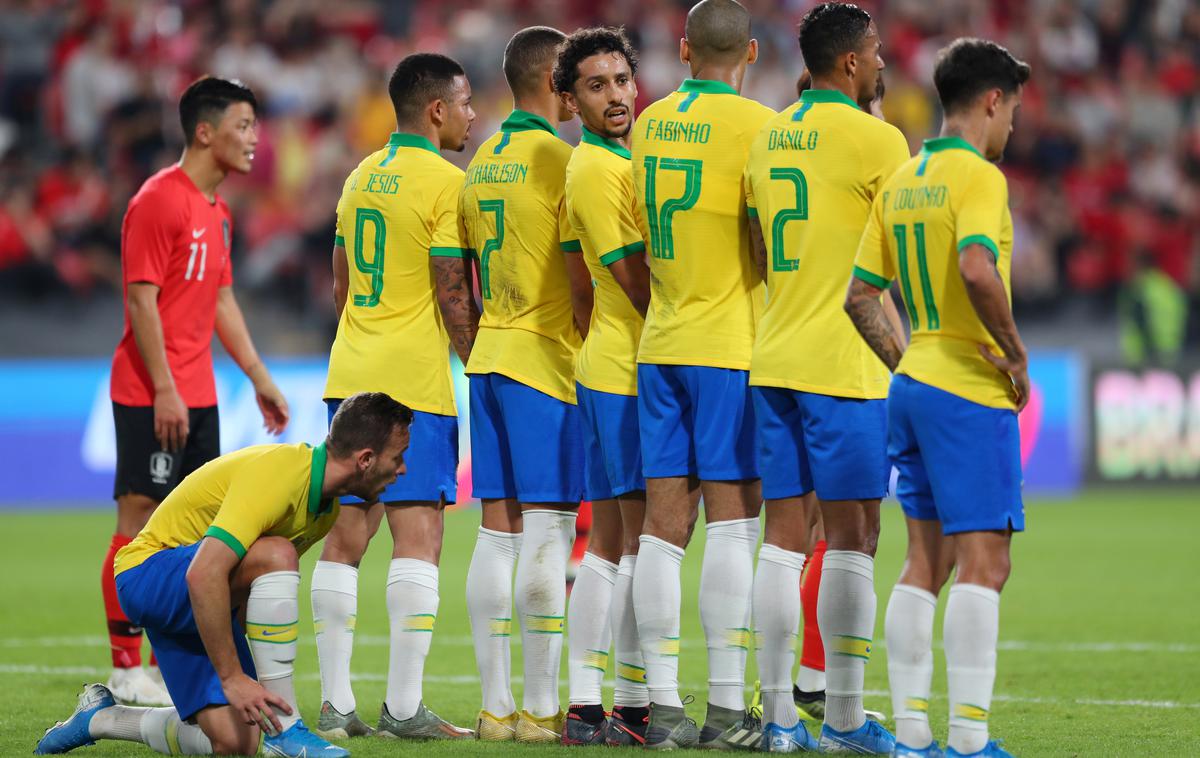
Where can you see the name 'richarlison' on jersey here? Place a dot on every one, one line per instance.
(497, 173)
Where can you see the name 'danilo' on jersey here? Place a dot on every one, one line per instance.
(793, 139)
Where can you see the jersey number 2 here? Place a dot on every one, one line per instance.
(662, 238)
(799, 212)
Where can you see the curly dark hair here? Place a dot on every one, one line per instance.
(583, 44)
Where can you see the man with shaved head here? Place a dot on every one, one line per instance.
(526, 443)
(695, 415)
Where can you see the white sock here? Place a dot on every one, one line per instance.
(272, 619)
(335, 611)
(725, 576)
(656, 595)
(630, 680)
(971, 629)
(846, 615)
(489, 605)
(156, 727)
(776, 623)
(412, 603)
(540, 598)
(908, 629)
(589, 629)
(810, 679)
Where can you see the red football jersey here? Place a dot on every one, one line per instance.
(173, 237)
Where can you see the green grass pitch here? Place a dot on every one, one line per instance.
(1100, 630)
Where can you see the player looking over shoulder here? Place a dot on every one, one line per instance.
(402, 294)
(178, 279)
(594, 74)
(526, 451)
(942, 226)
(213, 579)
(694, 410)
(819, 392)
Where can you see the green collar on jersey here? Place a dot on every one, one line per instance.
(610, 145)
(316, 479)
(524, 121)
(403, 139)
(706, 87)
(937, 144)
(827, 96)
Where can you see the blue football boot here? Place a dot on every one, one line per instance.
(783, 739)
(869, 739)
(72, 733)
(932, 750)
(990, 750)
(297, 742)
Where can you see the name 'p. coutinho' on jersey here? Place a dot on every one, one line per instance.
(812, 174)
(938, 203)
(689, 152)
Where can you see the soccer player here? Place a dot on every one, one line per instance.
(178, 275)
(942, 225)
(219, 563)
(526, 451)
(399, 208)
(594, 74)
(695, 415)
(819, 392)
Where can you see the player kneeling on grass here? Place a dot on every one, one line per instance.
(213, 579)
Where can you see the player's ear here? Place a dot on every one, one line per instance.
(203, 134)
(992, 101)
(437, 112)
(568, 100)
(685, 50)
(851, 64)
(752, 52)
(363, 459)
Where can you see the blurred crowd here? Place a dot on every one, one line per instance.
(1104, 167)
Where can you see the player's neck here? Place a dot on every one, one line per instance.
(338, 474)
(711, 72)
(837, 84)
(203, 171)
(968, 128)
(427, 130)
(546, 107)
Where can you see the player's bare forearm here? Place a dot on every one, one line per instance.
(758, 249)
(866, 311)
(341, 279)
(146, 324)
(633, 274)
(460, 314)
(893, 316)
(208, 590)
(232, 331)
(582, 297)
(988, 297)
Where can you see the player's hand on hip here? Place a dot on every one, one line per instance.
(170, 420)
(253, 703)
(1016, 370)
(274, 407)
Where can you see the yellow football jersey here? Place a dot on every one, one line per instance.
(943, 199)
(812, 174)
(602, 208)
(398, 208)
(264, 490)
(516, 220)
(689, 152)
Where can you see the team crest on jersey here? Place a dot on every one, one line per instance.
(160, 467)
(225, 232)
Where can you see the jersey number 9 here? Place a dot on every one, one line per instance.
(374, 267)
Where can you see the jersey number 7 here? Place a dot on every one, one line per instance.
(662, 240)
(490, 245)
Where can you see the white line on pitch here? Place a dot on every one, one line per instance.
(464, 679)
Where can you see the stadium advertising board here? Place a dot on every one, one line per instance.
(1146, 426)
(57, 440)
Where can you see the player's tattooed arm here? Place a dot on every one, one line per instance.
(460, 311)
(865, 308)
(758, 248)
(988, 297)
(341, 279)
